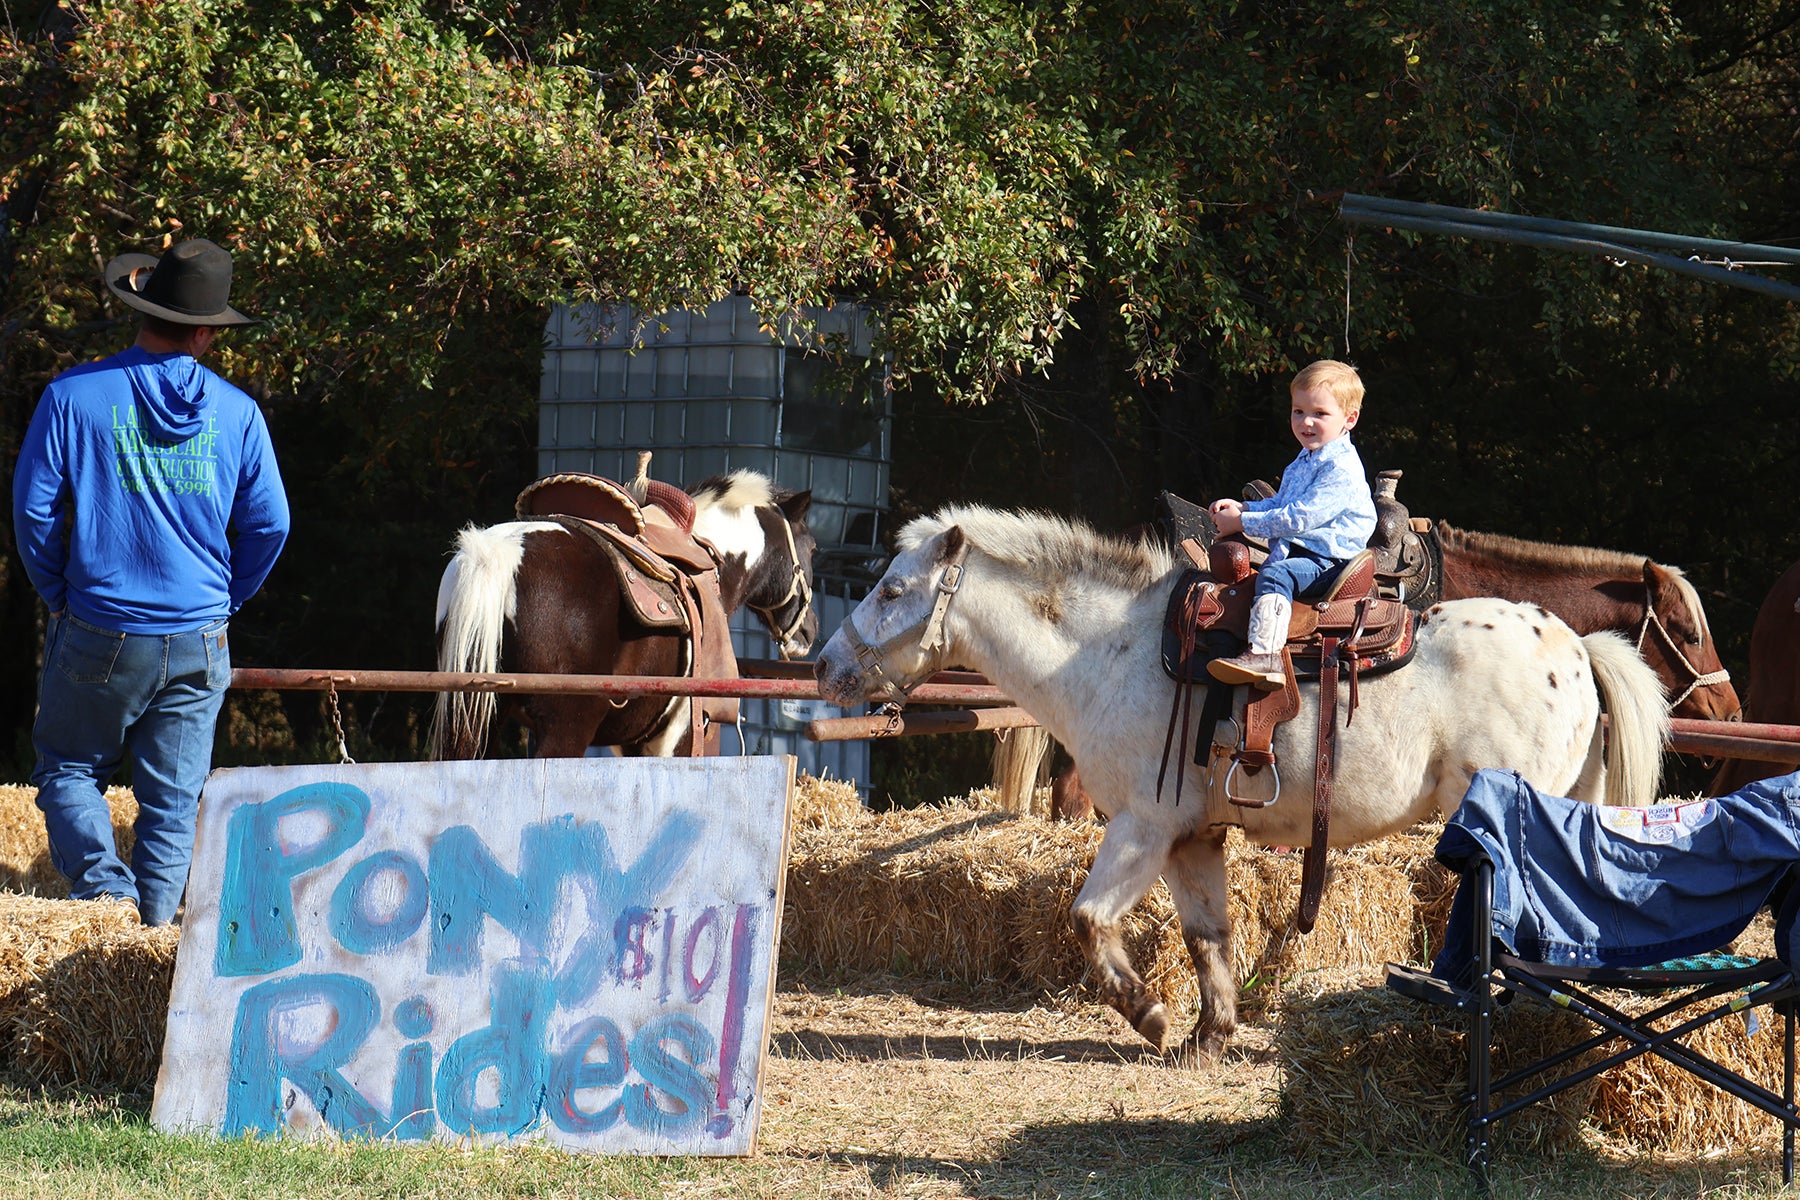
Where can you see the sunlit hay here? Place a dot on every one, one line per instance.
(825, 803)
(935, 891)
(37, 936)
(1369, 913)
(959, 891)
(96, 1017)
(1363, 1067)
(1651, 1105)
(1759, 939)
(25, 850)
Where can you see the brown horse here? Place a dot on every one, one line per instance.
(1590, 590)
(531, 596)
(1774, 679)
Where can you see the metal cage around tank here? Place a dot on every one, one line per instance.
(717, 389)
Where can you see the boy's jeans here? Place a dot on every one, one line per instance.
(1299, 575)
(102, 695)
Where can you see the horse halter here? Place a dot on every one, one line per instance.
(1698, 680)
(930, 632)
(798, 587)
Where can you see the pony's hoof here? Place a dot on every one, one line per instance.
(1153, 1024)
(1198, 1053)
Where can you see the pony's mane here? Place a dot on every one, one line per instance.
(740, 489)
(1543, 554)
(1046, 546)
(1574, 558)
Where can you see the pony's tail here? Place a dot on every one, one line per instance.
(1632, 697)
(475, 598)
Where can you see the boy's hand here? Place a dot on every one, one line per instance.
(1228, 515)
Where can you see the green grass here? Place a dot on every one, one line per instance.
(74, 1147)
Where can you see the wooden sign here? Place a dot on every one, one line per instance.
(572, 951)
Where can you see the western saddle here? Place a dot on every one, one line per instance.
(1364, 625)
(668, 576)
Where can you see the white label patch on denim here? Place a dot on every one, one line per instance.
(1659, 823)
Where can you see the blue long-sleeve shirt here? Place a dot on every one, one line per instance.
(147, 498)
(1323, 504)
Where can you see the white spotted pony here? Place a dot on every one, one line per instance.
(1068, 623)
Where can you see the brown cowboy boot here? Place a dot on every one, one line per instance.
(1261, 671)
(1260, 666)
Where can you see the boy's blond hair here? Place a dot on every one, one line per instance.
(1339, 379)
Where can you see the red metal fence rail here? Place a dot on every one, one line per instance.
(769, 680)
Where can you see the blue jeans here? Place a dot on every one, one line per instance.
(102, 695)
(1299, 575)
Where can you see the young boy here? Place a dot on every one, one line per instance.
(1320, 518)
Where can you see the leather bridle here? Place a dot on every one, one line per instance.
(1670, 643)
(799, 588)
(929, 630)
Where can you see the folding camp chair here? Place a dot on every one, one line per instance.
(1480, 970)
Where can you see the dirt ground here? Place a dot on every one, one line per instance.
(920, 1090)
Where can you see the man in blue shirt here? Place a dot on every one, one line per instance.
(148, 507)
(1321, 516)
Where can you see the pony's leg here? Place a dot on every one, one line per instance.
(1591, 786)
(1130, 857)
(564, 725)
(1196, 878)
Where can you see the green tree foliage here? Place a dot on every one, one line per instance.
(1099, 236)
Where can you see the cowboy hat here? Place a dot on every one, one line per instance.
(189, 285)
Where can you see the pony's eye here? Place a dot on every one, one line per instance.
(892, 591)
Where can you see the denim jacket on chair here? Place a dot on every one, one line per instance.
(1579, 884)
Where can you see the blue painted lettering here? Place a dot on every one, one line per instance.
(572, 1073)
(257, 932)
(262, 1055)
(670, 1077)
(351, 923)
(513, 1046)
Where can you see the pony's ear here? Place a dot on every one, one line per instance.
(1664, 595)
(954, 538)
(796, 506)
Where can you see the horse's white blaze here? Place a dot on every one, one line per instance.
(1068, 624)
(732, 531)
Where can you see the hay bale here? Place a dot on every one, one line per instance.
(84, 991)
(960, 891)
(96, 1018)
(1371, 913)
(25, 849)
(937, 891)
(1649, 1104)
(1365, 1068)
(825, 803)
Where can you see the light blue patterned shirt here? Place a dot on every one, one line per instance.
(1323, 504)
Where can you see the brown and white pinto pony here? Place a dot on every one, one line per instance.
(532, 597)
